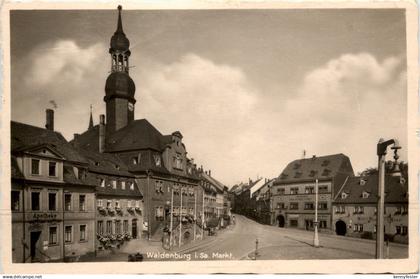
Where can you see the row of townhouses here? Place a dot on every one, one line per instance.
(119, 180)
(346, 203)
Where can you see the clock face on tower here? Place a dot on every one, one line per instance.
(130, 106)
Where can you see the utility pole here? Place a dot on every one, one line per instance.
(316, 239)
(202, 220)
(172, 218)
(180, 220)
(195, 214)
(381, 152)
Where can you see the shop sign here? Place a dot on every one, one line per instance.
(44, 216)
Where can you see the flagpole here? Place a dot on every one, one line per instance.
(172, 217)
(180, 220)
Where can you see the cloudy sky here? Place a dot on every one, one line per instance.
(248, 89)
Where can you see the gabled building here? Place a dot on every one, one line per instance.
(355, 208)
(52, 197)
(261, 197)
(293, 191)
(159, 163)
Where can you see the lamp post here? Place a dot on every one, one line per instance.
(316, 239)
(381, 152)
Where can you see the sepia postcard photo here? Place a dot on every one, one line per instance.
(209, 137)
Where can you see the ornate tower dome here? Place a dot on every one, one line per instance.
(119, 87)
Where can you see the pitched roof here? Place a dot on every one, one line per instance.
(219, 186)
(395, 191)
(24, 135)
(15, 171)
(324, 167)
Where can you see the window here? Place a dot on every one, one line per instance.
(131, 185)
(323, 189)
(294, 191)
(102, 183)
(114, 184)
(280, 191)
(309, 206)
(398, 229)
(404, 230)
(117, 204)
(100, 227)
(117, 226)
(109, 227)
(293, 223)
(360, 227)
(309, 224)
(68, 233)
(137, 204)
(344, 195)
(52, 235)
(294, 205)
(365, 195)
(178, 161)
(159, 212)
(35, 167)
(309, 190)
(52, 201)
(99, 203)
(157, 160)
(35, 201)
(82, 203)
(67, 202)
(125, 226)
(52, 169)
(15, 200)
(82, 232)
(280, 205)
(323, 224)
(374, 228)
(123, 185)
(323, 206)
(355, 227)
(135, 160)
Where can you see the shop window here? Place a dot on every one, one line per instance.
(293, 223)
(15, 200)
(52, 169)
(125, 226)
(82, 203)
(82, 232)
(35, 169)
(68, 234)
(52, 236)
(35, 201)
(52, 201)
(67, 202)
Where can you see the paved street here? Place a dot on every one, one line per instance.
(238, 242)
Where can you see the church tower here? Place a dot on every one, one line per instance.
(119, 87)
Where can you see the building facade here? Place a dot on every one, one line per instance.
(52, 197)
(293, 192)
(355, 208)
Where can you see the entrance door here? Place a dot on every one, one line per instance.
(35, 246)
(134, 228)
(280, 219)
(340, 227)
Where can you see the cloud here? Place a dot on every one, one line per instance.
(65, 72)
(209, 103)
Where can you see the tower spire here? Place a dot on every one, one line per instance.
(91, 119)
(119, 27)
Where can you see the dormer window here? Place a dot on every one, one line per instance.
(123, 185)
(117, 167)
(114, 184)
(326, 172)
(312, 173)
(362, 182)
(102, 182)
(131, 185)
(344, 195)
(365, 195)
(296, 166)
(135, 161)
(157, 160)
(298, 174)
(283, 176)
(96, 163)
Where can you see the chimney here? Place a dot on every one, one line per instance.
(49, 125)
(101, 133)
(209, 172)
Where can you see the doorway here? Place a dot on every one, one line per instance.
(280, 220)
(35, 246)
(134, 228)
(340, 227)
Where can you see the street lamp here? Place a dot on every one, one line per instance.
(381, 152)
(316, 239)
